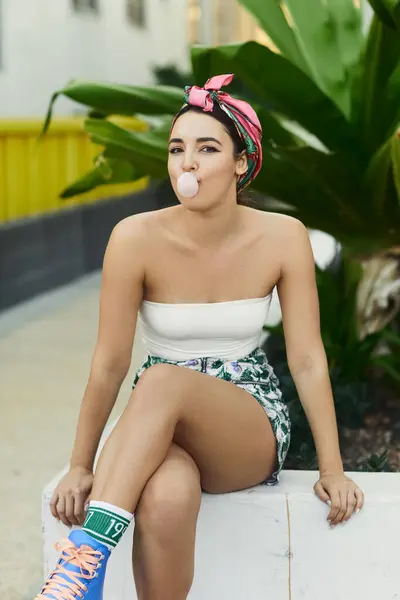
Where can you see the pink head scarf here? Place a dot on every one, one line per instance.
(243, 115)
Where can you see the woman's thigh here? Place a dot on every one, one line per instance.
(223, 427)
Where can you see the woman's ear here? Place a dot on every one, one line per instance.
(241, 163)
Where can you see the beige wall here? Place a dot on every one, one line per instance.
(221, 22)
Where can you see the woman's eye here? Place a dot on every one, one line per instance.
(175, 150)
(209, 149)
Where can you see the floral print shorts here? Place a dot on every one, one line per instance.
(254, 374)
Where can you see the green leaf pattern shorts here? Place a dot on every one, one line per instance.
(254, 374)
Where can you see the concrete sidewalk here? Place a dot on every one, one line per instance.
(46, 347)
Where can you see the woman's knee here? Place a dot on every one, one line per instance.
(172, 495)
(158, 375)
(157, 384)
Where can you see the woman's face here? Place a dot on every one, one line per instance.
(201, 145)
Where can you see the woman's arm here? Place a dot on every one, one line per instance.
(120, 298)
(305, 352)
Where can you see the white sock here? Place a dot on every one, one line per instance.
(106, 522)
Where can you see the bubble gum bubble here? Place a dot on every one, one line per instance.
(188, 186)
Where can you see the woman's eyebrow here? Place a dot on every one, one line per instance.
(199, 140)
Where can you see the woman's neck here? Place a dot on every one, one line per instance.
(210, 229)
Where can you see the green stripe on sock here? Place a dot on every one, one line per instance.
(100, 538)
(105, 526)
(109, 513)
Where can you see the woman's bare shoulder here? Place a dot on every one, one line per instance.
(291, 240)
(284, 237)
(280, 219)
(283, 229)
(137, 227)
(134, 238)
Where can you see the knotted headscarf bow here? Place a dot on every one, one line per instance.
(242, 114)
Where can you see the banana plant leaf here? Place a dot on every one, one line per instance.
(151, 167)
(388, 11)
(322, 186)
(380, 180)
(274, 131)
(371, 113)
(106, 99)
(328, 40)
(276, 80)
(159, 126)
(147, 150)
(329, 35)
(109, 134)
(395, 11)
(108, 172)
(273, 21)
(392, 99)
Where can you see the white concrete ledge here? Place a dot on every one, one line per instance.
(274, 543)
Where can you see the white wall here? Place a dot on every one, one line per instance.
(44, 44)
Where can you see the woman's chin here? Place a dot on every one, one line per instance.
(189, 200)
(192, 203)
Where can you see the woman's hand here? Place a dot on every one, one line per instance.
(341, 493)
(70, 496)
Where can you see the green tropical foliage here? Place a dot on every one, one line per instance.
(362, 372)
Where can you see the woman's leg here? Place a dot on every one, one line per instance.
(223, 428)
(220, 425)
(165, 529)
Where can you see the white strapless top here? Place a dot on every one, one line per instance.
(228, 330)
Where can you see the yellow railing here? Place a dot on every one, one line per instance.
(32, 175)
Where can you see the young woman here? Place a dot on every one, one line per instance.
(199, 277)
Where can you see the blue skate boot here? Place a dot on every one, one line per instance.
(80, 571)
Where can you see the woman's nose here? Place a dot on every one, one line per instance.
(189, 163)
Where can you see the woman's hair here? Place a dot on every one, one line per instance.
(238, 144)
